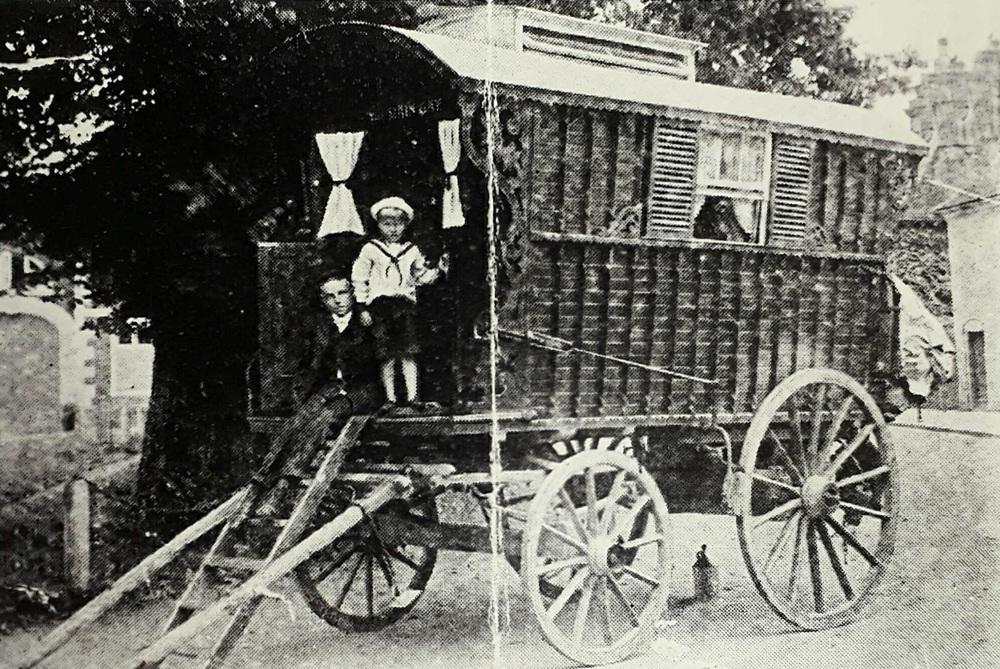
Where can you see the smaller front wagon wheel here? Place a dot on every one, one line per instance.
(610, 581)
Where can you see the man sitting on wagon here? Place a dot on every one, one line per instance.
(339, 380)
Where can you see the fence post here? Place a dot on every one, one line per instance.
(76, 535)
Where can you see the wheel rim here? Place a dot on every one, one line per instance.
(611, 586)
(359, 583)
(816, 508)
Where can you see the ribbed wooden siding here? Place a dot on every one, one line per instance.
(854, 198)
(587, 166)
(747, 318)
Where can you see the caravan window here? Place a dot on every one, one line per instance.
(719, 183)
(731, 186)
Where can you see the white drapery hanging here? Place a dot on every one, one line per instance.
(339, 151)
(451, 152)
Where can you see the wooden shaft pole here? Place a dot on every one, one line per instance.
(324, 536)
(130, 581)
(76, 536)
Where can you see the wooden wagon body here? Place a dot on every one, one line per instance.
(600, 169)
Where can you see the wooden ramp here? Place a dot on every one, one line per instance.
(257, 545)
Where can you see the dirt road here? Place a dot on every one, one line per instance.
(940, 607)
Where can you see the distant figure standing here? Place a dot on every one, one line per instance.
(386, 275)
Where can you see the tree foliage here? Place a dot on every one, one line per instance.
(140, 143)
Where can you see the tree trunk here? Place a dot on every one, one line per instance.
(197, 446)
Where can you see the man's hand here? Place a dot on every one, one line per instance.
(366, 318)
(444, 263)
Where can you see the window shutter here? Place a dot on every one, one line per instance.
(790, 199)
(672, 181)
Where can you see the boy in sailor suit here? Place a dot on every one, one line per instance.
(385, 276)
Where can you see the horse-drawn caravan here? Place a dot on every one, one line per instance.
(641, 263)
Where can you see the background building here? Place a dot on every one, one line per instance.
(957, 110)
(56, 372)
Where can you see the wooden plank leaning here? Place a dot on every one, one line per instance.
(294, 528)
(131, 580)
(393, 488)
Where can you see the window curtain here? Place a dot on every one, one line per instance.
(746, 215)
(339, 151)
(451, 152)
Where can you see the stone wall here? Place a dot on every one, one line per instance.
(29, 375)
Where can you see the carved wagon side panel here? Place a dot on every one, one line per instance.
(284, 276)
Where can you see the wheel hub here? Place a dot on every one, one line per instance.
(820, 496)
(600, 554)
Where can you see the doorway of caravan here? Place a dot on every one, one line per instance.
(403, 158)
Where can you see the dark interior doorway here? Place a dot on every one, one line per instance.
(403, 158)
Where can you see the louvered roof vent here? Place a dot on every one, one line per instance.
(532, 30)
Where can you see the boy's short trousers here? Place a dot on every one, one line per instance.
(394, 324)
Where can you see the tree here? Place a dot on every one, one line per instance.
(140, 141)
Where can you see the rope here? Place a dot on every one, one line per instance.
(941, 184)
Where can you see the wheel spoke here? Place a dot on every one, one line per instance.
(780, 539)
(370, 585)
(565, 537)
(400, 556)
(848, 451)
(611, 502)
(864, 476)
(641, 576)
(838, 568)
(634, 513)
(854, 543)
(623, 601)
(789, 463)
(800, 442)
(779, 484)
(387, 571)
(817, 425)
(790, 505)
(560, 565)
(583, 610)
(865, 510)
(606, 601)
(571, 589)
(642, 541)
(795, 557)
(574, 518)
(334, 565)
(591, 485)
(349, 582)
(838, 422)
(817, 580)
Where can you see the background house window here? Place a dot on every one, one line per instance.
(731, 192)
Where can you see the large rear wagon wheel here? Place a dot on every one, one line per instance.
(611, 586)
(816, 501)
(360, 583)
